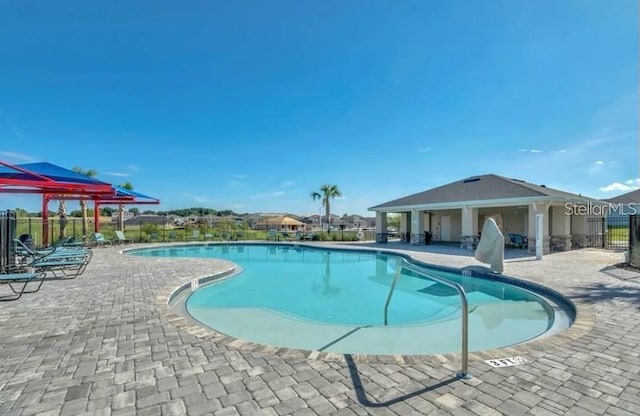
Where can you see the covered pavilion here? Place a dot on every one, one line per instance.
(58, 183)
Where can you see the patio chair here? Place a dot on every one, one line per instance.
(20, 277)
(209, 236)
(121, 238)
(271, 235)
(286, 235)
(299, 235)
(518, 240)
(154, 236)
(195, 235)
(100, 241)
(173, 236)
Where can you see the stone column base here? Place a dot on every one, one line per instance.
(469, 242)
(560, 243)
(546, 245)
(579, 241)
(417, 239)
(381, 238)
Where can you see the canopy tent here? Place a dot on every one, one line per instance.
(58, 183)
(25, 179)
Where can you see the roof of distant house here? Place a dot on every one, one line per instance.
(633, 196)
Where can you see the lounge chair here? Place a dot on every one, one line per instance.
(299, 235)
(25, 253)
(285, 235)
(271, 235)
(62, 264)
(209, 236)
(121, 238)
(20, 277)
(99, 240)
(195, 235)
(154, 236)
(173, 236)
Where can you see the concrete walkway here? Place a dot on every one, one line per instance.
(104, 344)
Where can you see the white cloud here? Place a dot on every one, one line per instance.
(425, 149)
(17, 157)
(628, 185)
(118, 174)
(595, 167)
(267, 195)
(133, 168)
(531, 150)
(560, 151)
(287, 184)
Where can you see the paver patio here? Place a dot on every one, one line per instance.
(103, 344)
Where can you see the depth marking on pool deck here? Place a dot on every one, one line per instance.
(507, 362)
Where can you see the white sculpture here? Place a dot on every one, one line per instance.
(491, 246)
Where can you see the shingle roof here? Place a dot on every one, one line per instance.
(478, 188)
(633, 196)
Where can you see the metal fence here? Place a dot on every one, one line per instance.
(634, 241)
(609, 233)
(147, 232)
(7, 234)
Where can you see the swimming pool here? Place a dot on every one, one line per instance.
(334, 300)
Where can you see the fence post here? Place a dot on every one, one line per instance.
(604, 232)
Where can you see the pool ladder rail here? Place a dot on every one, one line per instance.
(464, 372)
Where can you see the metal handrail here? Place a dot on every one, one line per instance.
(391, 289)
(464, 372)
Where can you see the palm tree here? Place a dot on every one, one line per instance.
(128, 186)
(62, 215)
(326, 194)
(83, 203)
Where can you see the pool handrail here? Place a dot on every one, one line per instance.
(464, 372)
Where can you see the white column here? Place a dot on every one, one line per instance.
(560, 228)
(539, 233)
(579, 231)
(535, 209)
(469, 228)
(381, 227)
(417, 227)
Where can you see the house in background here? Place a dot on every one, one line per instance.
(356, 222)
(625, 204)
(456, 212)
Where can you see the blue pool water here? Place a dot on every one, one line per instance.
(309, 298)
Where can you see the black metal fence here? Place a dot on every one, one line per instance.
(609, 233)
(634, 241)
(7, 234)
(148, 232)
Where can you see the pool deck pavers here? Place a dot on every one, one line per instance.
(106, 344)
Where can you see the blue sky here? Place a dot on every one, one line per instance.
(252, 105)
